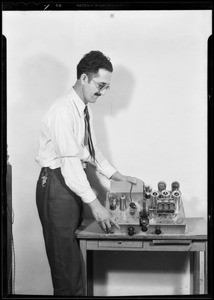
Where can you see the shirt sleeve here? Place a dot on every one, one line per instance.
(102, 163)
(62, 135)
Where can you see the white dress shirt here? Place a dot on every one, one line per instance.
(61, 144)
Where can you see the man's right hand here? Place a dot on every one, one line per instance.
(102, 216)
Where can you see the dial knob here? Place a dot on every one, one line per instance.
(131, 231)
(144, 227)
(157, 230)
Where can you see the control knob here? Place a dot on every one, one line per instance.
(131, 231)
(157, 230)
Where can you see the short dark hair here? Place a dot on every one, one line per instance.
(92, 62)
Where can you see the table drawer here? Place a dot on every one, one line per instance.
(122, 244)
(119, 244)
(171, 242)
(173, 245)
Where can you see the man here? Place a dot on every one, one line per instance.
(66, 144)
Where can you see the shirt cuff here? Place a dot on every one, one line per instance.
(109, 171)
(88, 196)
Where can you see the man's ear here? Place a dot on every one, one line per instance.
(84, 79)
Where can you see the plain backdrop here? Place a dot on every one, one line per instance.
(152, 124)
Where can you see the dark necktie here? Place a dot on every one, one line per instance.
(88, 139)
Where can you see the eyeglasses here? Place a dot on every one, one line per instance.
(101, 86)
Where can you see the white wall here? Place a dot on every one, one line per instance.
(151, 124)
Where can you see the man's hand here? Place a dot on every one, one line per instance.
(119, 177)
(102, 216)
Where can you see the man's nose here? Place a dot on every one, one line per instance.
(102, 92)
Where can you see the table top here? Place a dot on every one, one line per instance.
(196, 229)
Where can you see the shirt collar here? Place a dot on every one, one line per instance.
(80, 105)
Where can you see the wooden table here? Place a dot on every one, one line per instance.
(92, 238)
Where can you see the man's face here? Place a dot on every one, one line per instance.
(96, 86)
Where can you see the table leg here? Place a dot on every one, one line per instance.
(83, 248)
(195, 272)
(90, 273)
(205, 270)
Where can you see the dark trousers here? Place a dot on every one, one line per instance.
(60, 211)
